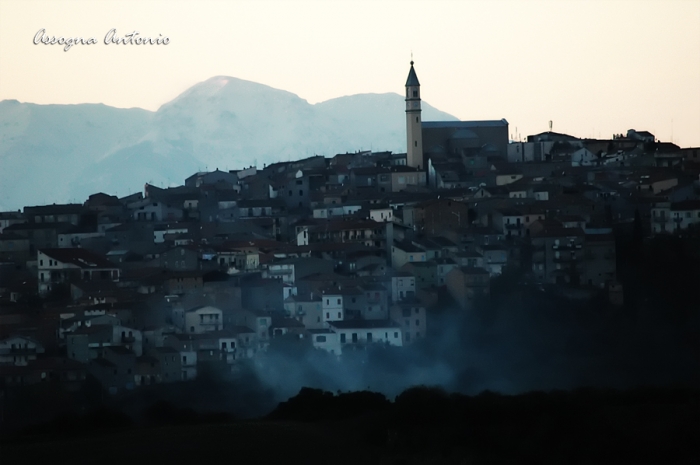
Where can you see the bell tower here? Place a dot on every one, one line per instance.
(414, 132)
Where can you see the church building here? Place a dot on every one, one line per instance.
(470, 143)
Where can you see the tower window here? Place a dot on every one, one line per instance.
(416, 119)
(415, 93)
(415, 143)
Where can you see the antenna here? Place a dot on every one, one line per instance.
(550, 125)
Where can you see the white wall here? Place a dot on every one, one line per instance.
(212, 320)
(332, 305)
(328, 341)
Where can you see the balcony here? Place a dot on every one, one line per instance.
(210, 323)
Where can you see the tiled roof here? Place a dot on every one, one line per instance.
(463, 124)
(241, 330)
(472, 270)
(82, 258)
(363, 324)
(686, 205)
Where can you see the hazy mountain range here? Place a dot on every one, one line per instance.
(63, 153)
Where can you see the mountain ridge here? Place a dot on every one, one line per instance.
(65, 152)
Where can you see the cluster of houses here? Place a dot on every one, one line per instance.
(340, 252)
(144, 289)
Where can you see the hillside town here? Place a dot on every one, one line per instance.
(341, 252)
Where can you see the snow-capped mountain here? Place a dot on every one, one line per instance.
(62, 153)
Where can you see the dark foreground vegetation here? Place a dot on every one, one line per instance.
(524, 339)
(422, 425)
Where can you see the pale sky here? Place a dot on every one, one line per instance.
(594, 67)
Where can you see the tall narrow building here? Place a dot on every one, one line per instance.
(414, 134)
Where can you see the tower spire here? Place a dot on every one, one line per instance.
(414, 130)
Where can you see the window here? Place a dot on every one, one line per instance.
(223, 346)
(328, 316)
(320, 338)
(415, 93)
(342, 338)
(338, 301)
(369, 337)
(416, 119)
(415, 143)
(396, 335)
(354, 337)
(339, 315)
